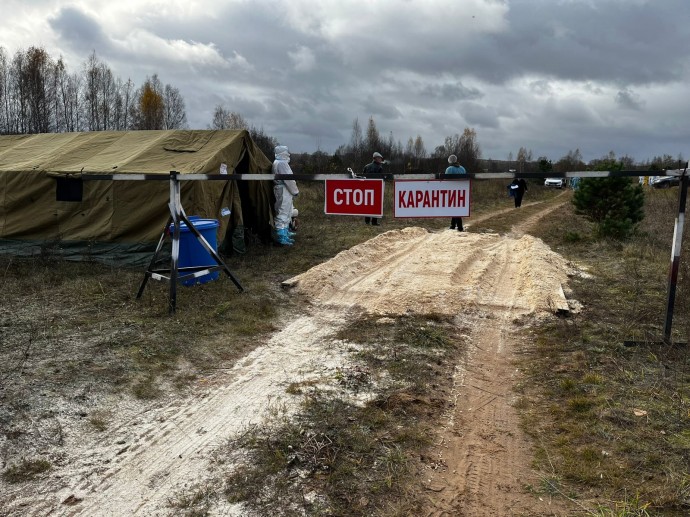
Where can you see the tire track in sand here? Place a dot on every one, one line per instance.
(485, 456)
(143, 464)
(482, 461)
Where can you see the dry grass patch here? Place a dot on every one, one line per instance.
(26, 470)
(337, 457)
(74, 339)
(612, 420)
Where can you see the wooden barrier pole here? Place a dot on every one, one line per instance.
(675, 255)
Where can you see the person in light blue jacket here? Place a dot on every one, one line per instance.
(454, 168)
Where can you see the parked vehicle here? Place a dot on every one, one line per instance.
(665, 181)
(554, 182)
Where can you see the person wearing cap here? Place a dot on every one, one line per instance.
(284, 191)
(375, 167)
(455, 168)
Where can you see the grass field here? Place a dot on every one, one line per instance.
(610, 422)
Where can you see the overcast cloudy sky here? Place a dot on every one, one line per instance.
(547, 75)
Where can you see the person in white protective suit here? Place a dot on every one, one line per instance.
(284, 191)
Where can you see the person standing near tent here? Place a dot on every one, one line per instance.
(454, 168)
(375, 167)
(518, 188)
(284, 191)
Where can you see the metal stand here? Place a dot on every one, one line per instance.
(175, 272)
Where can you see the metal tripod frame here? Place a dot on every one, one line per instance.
(175, 273)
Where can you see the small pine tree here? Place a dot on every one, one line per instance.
(616, 205)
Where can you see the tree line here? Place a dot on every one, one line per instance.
(38, 94)
(413, 157)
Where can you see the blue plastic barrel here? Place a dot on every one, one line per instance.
(192, 252)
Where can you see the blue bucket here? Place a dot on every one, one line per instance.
(192, 253)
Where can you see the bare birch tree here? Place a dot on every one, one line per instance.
(174, 115)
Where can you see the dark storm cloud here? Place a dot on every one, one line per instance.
(480, 115)
(300, 102)
(259, 34)
(79, 30)
(630, 42)
(625, 41)
(629, 100)
(549, 75)
(450, 92)
(375, 106)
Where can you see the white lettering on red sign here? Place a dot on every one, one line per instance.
(353, 197)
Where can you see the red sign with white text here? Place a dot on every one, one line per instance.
(354, 197)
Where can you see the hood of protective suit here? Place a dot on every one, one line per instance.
(282, 153)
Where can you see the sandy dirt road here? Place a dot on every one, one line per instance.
(481, 467)
(481, 461)
(484, 456)
(140, 466)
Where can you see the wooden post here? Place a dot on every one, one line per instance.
(675, 255)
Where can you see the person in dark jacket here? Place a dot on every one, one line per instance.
(518, 188)
(376, 166)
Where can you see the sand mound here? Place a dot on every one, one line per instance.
(414, 271)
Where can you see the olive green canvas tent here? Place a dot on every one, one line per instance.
(46, 206)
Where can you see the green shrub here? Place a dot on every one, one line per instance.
(616, 205)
